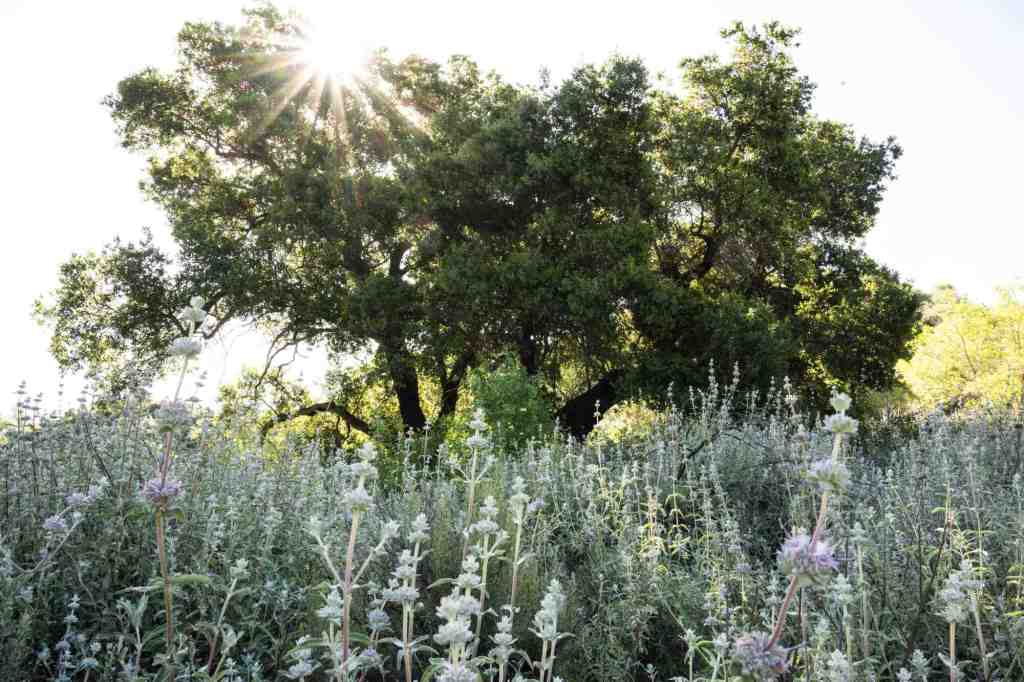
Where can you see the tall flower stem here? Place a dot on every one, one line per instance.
(347, 591)
(952, 652)
(780, 620)
(470, 502)
(981, 636)
(819, 526)
(168, 594)
(161, 540)
(515, 565)
(408, 622)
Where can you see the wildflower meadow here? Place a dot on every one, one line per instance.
(730, 537)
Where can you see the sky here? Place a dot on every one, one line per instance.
(943, 77)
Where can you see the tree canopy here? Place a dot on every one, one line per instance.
(608, 234)
(969, 352)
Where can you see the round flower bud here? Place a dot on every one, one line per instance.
(831, 475)
(810, 564)
(185, 347)
(840, 423)
(172, 415)
(759, 658)
(161, 492)
(840, 402)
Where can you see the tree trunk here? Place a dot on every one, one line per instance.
(451, 383)
(406, 385)
(580, 415)
(528, 353)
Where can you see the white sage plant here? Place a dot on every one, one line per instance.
(162, 490)
(402, 590)
(545, 626)
(806, 559)
(358, 502)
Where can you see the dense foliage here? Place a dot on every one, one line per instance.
(969, 353)
(610, 236)
(664, 543)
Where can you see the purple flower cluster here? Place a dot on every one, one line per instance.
(758, 657)
(83, 499)
(810, 563)
(830, 475)
(55, 524)
(160, 492)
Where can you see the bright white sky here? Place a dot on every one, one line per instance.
(943, 77)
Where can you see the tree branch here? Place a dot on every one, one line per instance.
(329, 407)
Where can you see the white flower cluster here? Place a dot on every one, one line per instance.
(402, 587)
(519, 502)
(240, 569)
(186, 347)
(478, 440)
(420, 529)
(192, 317)
(388, 532)
(377, 619)
(546, 620)
(839, 668)
(839, 423)
(193, 313)
(304, 665)
(85, 499)
(173, 415)
(488, 512)
(334, 607)
(469, 579)
(503, 639)
(954, 599)
(456, 610)
(358, 499)
(830, 475)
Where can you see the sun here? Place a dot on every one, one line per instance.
(333, 54)
(327, 56)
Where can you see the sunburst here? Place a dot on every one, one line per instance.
(324, 66)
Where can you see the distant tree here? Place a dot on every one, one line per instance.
(969, 352)
(610, 236)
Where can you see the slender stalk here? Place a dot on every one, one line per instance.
(981, 636)
(469, 504)
(407, 641)
(216, 632)
(407, 621)
(483, 589)
(952, 652)
(819, 526)
(347, 590)
(161, 540)
(515, 566)
(865, 641)
(551, 661)
(848, 632)
(780, 619)
(168, 599)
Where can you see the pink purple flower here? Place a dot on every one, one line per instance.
(160, 492)
(810, 563)
(758, 657)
